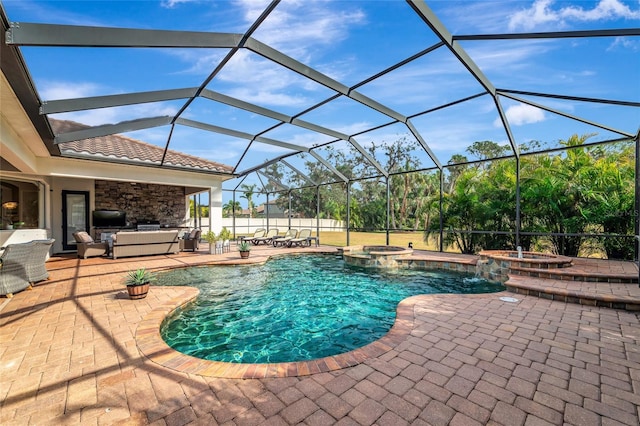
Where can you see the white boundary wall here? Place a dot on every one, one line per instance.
(245, 225)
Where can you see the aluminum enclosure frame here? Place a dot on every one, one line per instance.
(48, 35)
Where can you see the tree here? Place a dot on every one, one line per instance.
(426, 195)
(249, 190)
(566, 194)
(203, 210)
(613, 197)
(275, 172)
(462, 213)
(485, 150)
(455, 169)
(231, 207)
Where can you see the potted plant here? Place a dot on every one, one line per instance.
(225, 237)
(211, 238)
(244, 248)
(138, 283)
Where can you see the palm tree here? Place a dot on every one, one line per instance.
(231, 207)
(248, 194)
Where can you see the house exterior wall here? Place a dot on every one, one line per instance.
(143, 201)
(27, 158)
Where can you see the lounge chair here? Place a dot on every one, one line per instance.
(303, 239)
(191, 241)
(267, 239)
(36, 269)
(13, 273)
(88, 247)
(282, 241)
(260, 232)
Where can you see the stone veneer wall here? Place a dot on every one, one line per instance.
(142, 201)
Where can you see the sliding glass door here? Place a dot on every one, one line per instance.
(75, 212)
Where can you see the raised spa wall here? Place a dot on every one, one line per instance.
(496, 265)
(399, 257)
(372, 256)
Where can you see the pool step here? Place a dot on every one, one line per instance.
(575, 274)
(575, 292)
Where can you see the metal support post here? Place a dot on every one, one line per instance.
(440, 208)
(388, 207)
(348, 210)
(518, 219)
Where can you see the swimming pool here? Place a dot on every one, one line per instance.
(295, 308)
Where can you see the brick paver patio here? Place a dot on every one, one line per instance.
(69, 355)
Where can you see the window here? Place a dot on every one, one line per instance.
(20, 203)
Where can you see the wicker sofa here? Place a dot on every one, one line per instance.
(141, 243)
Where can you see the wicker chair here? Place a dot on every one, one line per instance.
(87, 247)
(13, 273)
(191, 241)
(36, 269)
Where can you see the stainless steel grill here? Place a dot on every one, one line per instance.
(148, 227)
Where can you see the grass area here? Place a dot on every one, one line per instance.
(401, 239)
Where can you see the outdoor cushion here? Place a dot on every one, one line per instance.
(82, 237)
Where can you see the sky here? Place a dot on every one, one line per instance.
(350, 41)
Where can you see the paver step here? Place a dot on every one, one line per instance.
(580, 292)
(575, 274)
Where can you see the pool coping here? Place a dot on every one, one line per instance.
(150, 342)
(152, 345)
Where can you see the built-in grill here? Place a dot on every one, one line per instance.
(148, 225)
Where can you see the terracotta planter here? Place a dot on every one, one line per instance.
(138, 291)
(244, 254)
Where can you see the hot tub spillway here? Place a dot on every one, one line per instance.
(371, 256)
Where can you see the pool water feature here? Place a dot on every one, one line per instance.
(370, 256)
(295, 308)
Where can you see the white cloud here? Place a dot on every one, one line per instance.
(170, 4)
(520, 114)
(542, 12)
(263, 82)
(97, 117)
(322, 24)
(55, 90)
(625, 43)
(201, 61)
(94, 117)
(65, 90)
(351, 128)
(507, 56)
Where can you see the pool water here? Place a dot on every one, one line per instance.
(296, 308)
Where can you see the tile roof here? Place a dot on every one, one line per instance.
(120, 147)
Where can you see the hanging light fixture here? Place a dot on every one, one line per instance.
(10, 205)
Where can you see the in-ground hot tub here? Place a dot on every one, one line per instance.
(372, 256)
(495, 265)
